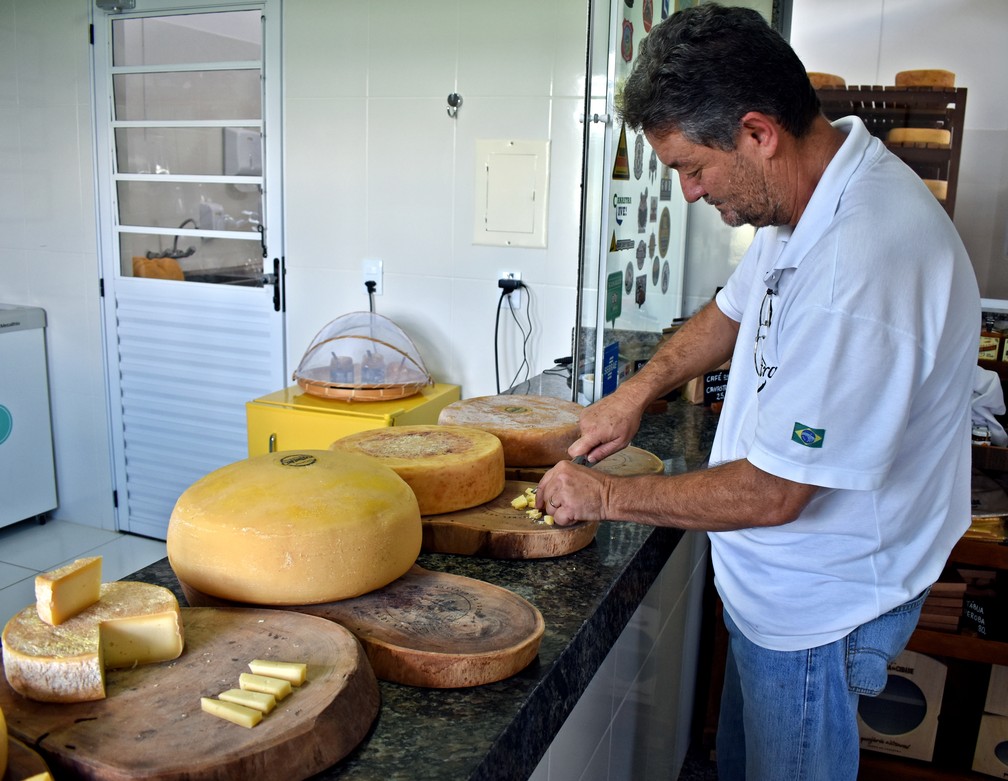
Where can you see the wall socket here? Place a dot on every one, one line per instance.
(515, 298)
(371, 268)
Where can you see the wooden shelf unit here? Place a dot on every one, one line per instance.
(885, 108)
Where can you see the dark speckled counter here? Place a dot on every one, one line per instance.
(501, 730)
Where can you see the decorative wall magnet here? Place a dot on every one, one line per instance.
(616, 245)
(651, 246)
(665, 277)
(664, 232)
(638, 157)
(642, 212)
(640, 290)
(641, 253)
(621, 165)
(621, 203)
(647, 10)
(653, 209)
(665, 186)
(655, 271)
(626, 44)
(652, 165)
(628, 278)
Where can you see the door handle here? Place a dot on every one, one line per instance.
(275, 280)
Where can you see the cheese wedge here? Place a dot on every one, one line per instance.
(259, 701)
(295, 672)
(295, 528)
(448, 468)
(278, 687)
(66, 591)
(534, 430)
(231, 711)
(132, 623)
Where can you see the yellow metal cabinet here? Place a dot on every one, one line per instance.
(291, 419)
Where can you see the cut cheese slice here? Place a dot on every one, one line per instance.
(66, 663)
(231, 711)
(295, 672)
(448, 468)
(293, 528)
(266, 684)
(259, 701)
(66, 591)
(534, 430)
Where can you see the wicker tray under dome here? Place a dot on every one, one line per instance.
(362, 356)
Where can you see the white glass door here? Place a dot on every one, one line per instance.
(188, 154)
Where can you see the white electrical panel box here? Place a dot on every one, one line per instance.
(511, 193)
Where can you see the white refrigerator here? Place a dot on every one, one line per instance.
(27, 472)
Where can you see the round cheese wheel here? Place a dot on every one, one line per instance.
(295, 527)
(448, 468)
(534, 430)
(63, 663)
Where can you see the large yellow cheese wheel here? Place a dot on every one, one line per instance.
(293, 528)
(448, 468)
(66, 663)
(534, 430)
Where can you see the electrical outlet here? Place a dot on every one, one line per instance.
(515, 298)
(372, 270)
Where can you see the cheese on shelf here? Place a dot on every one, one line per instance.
(448, 468)
(231, 711)
(534, 430)
(295, 672)
(132, 623)
(295, 527)
(66, 591)
(266, 684)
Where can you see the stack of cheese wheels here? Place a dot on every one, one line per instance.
(131, 623)
(448, 468)
(295, 528)
(534, 430)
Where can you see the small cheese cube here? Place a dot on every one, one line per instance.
(295, 672)
(278, 687)
(519, 502)
(66, 591)
(259, 701)
(239, 714)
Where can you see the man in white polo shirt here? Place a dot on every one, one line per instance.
(839, 476)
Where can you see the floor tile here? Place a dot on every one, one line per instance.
(45, 546)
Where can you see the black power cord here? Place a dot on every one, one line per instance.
(508, 286)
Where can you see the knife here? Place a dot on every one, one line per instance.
(582, 461)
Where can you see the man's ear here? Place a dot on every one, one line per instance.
(759, 134)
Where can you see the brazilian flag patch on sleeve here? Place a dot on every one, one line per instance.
(807, 436)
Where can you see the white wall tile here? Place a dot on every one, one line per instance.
(412, 48)
(326, 49)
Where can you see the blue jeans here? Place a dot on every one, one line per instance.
(792, 715)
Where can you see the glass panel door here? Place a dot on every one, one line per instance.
(187, 130)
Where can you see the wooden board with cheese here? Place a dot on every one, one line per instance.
(150, 720)
(433, 629)
(497, 530)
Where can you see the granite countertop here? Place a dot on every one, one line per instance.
(501, 730)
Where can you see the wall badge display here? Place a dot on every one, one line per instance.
(642, 211)
(641, 254)
(652, 167)
(655, 271)
(665, 272)
(638, 157)
(621, 203)
(628, 278)
(651, 248)
(647, 10)
(640, 290)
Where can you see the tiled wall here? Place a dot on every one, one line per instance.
(633, 721)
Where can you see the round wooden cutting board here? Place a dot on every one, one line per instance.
(496, 530)
(151, 726)
(434, 629)
(22, 762)
(628, 462)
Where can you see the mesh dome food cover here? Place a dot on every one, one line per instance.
(362, 356)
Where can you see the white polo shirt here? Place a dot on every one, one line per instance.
(867, 358)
